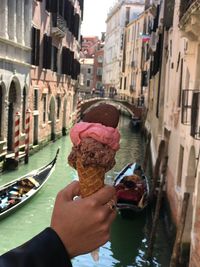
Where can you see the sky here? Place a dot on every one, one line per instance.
(94, 16)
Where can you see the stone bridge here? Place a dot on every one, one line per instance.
(132, 109)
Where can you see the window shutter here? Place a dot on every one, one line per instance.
(37, 44)
(48, 52)
(33, 36)
(45, 47)
(55, 56)
(48, 5)
(194, 114)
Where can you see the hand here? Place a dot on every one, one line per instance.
(83, 224)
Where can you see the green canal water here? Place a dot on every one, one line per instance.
(129, 236)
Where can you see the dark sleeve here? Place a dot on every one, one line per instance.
(44, 250)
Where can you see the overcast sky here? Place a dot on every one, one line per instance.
(95, 14)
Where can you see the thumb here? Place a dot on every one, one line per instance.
(70, 191)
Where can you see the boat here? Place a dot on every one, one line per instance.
(17, 192)
(132, 188)
(135, 123)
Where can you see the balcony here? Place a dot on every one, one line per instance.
(58, 25)
(190, 19)
(190, 114)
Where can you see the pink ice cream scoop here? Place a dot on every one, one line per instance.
(103, 134)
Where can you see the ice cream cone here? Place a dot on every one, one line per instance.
(91, 178)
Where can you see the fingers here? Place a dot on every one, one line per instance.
(71, 190)
(104, 195)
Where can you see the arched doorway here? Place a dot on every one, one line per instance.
(52, 117)
(190, 187)
(64, 122)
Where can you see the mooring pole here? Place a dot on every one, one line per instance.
(156, 171)
(179, 233)
(27, 131)
(147, 152)
(157, 210)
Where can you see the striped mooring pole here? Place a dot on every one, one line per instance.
(78, 110)
(27, 131)
(16, 141)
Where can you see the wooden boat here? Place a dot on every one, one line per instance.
(132, 188)
(135, 123)
(16, 193)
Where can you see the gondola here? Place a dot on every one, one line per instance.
(132, 188)
(17, 192)
(135, 123)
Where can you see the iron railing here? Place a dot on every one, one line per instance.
(184, 6)
(58, 22)
(190, 112)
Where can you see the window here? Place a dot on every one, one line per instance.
(54, 56)
(47, 47)
(44, 107)
(99, 71)
(127, 15)
(180, 166)
(125, 83)
(35, 103)
(100, 59)
(88, 83)
(35, 44)
(89, 70)
(61, 8)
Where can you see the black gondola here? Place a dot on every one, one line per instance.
(132, 187)
(135, 123)
(16, 193)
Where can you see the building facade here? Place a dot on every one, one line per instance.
(87, 76)
(98, 67)
(167, 47)
(55, 67)
(120, 15)
(39, 69)
(15, 64)
(91, 65)
(174, 114)
(136, 59)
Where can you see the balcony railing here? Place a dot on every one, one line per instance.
(195, 116)
(58, 25)
(190, 114)
(184, 6)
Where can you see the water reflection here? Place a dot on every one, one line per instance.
(126, 237)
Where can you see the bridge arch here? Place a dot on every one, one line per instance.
(130, 108)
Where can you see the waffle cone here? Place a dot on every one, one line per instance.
(91, 178)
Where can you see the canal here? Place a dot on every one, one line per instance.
(129, 236)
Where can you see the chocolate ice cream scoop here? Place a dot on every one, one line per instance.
(105, 114)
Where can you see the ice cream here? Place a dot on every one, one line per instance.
(95, 142)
